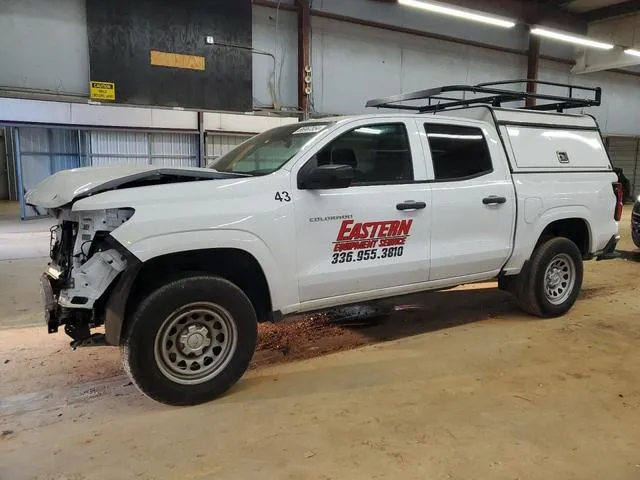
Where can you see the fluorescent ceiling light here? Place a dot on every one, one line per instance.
(632, 51)
(565, 37)
(459, 13)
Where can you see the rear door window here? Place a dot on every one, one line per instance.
(458, 152)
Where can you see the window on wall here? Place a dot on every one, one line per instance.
(378, 153)
(458, 152)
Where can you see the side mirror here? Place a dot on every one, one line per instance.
(325, 176)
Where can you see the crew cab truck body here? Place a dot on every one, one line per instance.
(180, 264)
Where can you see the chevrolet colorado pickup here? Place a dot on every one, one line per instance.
(179, 265)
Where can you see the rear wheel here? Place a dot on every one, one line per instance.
(550, 283)
(190, 340)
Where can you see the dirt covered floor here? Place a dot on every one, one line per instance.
(453, 385)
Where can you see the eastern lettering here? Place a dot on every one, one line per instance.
(367, 235)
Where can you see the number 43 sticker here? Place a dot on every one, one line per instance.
(283, 197)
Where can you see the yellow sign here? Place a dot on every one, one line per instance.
(102, 91)
(176, 60)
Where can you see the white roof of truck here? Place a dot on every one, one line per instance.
(534, 141)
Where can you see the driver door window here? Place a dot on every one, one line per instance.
(379, 154)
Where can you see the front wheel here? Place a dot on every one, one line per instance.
(550, 284)
(190, 340)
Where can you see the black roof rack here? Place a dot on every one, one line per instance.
(491, 93)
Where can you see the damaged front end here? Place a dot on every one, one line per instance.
(85, 261)
(80, 286)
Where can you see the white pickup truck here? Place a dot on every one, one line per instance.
(179, 265)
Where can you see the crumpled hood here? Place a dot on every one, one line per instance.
(65, 186)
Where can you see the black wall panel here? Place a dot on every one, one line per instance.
(122, 34)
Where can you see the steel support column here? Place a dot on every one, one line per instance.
(304, 54)
(533, 60)
(202, 148)
(18, 160)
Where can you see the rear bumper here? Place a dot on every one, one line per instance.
(608, 252)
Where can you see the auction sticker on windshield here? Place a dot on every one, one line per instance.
(365, 241)
(310, 129)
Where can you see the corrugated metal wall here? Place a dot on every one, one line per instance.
(45, 151)
(118, 148)
(218, 144)
(625, 154)
(142, 148)
(174, 149)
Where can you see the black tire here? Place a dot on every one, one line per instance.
(636, 238)
(557, 295)
(184, 314)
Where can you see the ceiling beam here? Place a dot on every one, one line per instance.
(624, 8)
(590, 61)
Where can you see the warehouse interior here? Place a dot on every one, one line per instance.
(452, 384)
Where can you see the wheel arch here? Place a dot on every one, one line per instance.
(576, 229)
(573, 222)
(235, 265)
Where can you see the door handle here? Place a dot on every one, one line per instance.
(411, 205)
(494, 200)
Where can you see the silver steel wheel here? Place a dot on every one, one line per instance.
(559, 278)
(195, 343)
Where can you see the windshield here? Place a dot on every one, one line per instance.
(267, 152)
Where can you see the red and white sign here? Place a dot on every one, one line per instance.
(359, 236)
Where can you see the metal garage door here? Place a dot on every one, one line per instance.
(43, 152)
(217, 145)
(623, 152)
(174, 149)
(119, 148)
(143, 148)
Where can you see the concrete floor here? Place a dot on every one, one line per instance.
(463, 386)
